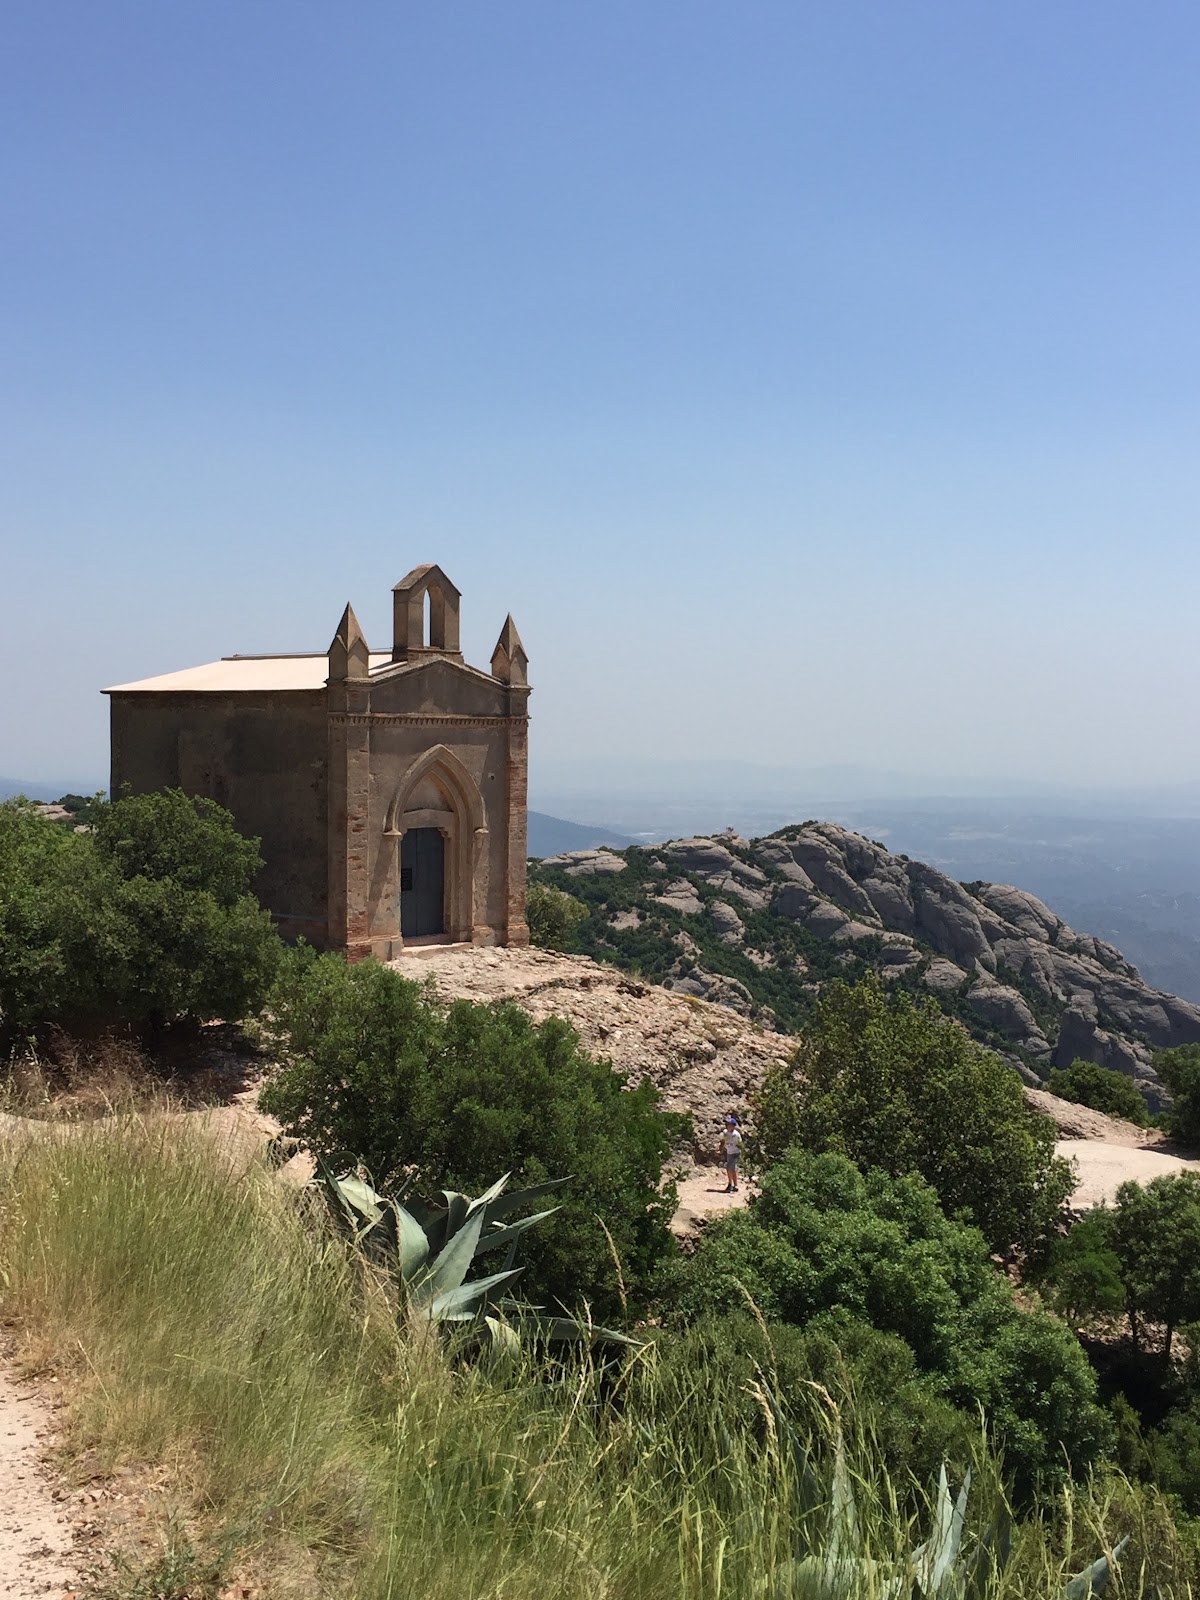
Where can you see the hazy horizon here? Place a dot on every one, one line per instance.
(816, 388)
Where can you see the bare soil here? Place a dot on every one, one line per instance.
(36, 1541)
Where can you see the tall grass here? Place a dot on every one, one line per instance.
(212, 1323)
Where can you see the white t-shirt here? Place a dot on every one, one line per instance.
(733, 1141)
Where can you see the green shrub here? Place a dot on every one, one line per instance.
(146, 919)
(1086, 1083)
(553, 916)
(376, 1069)
(1179, 1070)
(826, 1239)
(889, 1081)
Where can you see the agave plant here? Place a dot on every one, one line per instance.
(935, 1570)
(430, 1247)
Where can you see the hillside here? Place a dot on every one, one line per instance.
(759, 925)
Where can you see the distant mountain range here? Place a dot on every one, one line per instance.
(549, 836)
(32, 789)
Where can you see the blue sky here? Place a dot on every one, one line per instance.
(814, 383)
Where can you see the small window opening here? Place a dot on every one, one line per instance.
(426, 621)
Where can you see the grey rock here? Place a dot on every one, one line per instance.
(819, 858)
(855, 930)
(794, 902)
(1023, 911)
(586, 863)
(681, 896)
(728, 924)
(942, 974)
(1006, 1011)
(892, 901)
(946, 917)
(825, 920)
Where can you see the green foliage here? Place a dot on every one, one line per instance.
(375, 1069)
(1082, 1273)
(305, 1435)
(888, 1081)
(1086, 1083)
(553, 916)
(1140, 1256)
(1179, 1070)
(147, 918)
(938, 1569)
(825, 1239)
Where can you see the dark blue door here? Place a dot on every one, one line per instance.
(422, 883)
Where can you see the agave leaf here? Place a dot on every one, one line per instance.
(562, 1329)
(810, 1484)
(412, 1247)
(504, 1338)
(1094, 1579)
(503, 1205)
(933, 1562)
(458, 1208)
(844, 1539)
(449, 1268)
(361, 1196)
(485, 1199)
(989, 1558)
(451, 1304)
(511, 1232)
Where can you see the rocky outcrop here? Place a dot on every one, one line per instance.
(993, 955)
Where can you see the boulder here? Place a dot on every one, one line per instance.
(946, 917)
(1022, 911)
(587, 863)
(821, 861)
(825, 920)
(730, 927)
(794, 902)
(681, 896)
(942, 974)
(1006, 1011)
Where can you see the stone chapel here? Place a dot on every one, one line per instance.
(388, 789)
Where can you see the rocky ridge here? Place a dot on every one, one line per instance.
(758, 925)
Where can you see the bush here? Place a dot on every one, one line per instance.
(889, 1081)
(825, 1239)
(376, 1069)
(553, 916)
(1179, 1069)
(146, 919)
(1086, 1083)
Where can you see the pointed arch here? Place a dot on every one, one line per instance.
(463, 826)
(439, 762)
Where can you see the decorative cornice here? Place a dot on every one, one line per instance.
(359, 719)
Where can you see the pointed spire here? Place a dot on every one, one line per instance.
(509, 662)
(349, 655)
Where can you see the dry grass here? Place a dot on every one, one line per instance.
(221, 1351)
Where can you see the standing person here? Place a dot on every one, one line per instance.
(733, 1150)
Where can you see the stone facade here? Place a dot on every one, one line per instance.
(389, 790)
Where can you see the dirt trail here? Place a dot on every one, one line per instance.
(35, 1535)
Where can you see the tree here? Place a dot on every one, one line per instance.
(1082, 1273)
(146, 919)
(1179, 1070)
(889, 1081)
(1086, 1083)
(826, 1240)
(376, 1069)
(1154, 1232)
(553, 916)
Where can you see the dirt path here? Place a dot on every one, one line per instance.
(35, 1535)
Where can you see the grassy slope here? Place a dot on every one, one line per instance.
(207, 1323)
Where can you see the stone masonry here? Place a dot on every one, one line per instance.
(389, 790)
